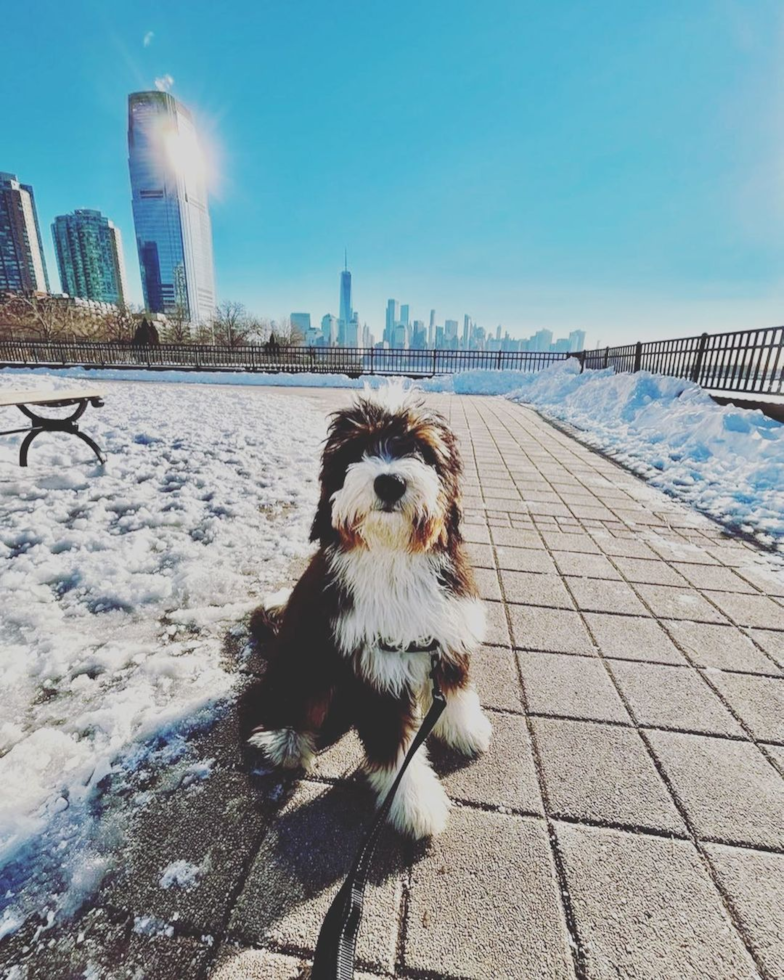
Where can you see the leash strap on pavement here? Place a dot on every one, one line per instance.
(337, 942)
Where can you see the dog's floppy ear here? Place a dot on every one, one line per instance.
(343, 426)
(322, 529)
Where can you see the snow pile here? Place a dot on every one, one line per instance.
(117, 587)
(476, 382)
(181, 874)
(726, 461)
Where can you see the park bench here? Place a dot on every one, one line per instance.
(80, 398)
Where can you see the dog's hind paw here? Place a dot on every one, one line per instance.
(285, 748)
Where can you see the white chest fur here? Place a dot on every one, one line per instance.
(397, 600)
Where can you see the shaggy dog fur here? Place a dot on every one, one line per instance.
(390, 577)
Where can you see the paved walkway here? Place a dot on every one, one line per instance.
(628, 821)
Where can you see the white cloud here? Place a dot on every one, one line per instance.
(148, 38)
(164, 82)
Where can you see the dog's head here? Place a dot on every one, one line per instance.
(390, 476)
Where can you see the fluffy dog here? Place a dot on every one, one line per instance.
(390, 581)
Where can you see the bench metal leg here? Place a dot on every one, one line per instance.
(43, 424)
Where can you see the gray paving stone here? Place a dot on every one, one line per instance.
(758, 700)
(714, 577)
(673, 697)
(597, 595)
(603, 773)
(647, 571)
(628, 547)
(302, 862)
(722, 647)
(777, 753)
(215, 825)
(769, 581)
(646, 908)
(754, 882)
(732, 794)
(239, 963)
(484, 902)
(633, 638)
(513, 538)
(487, 583)
(574, 687)
(732, 555)
(494, 672)
(772, 642)
(504, 776)
(476, 533)
(558, 541)
(556, 630)
(340, 760)
(681, 551)
(497, 627)
(480, 555)
(749, 610)
(668, 602)
(588, 566)
(534, 589)
(525, 560)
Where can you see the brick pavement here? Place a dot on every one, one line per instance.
(628, 820)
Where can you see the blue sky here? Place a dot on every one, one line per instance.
(615, 166)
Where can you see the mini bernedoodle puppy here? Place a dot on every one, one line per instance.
(390, 578)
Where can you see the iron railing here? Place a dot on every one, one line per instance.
(750, 361)
(268, 358)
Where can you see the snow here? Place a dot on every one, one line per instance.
(475, 382)
(181, 874)
(117, 587)
(728, 462)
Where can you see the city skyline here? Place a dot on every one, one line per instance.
(645, 203)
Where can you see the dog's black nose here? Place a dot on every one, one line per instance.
(389, 487)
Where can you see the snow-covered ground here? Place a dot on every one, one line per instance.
(726, 461)
(117, 587)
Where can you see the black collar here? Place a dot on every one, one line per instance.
(414, 647)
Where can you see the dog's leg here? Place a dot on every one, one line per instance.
(387, 726)
(463, 725)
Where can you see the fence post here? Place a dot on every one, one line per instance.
(637, 356)
(695, 371)
(434, 360)
(581, 359)
(606, 356)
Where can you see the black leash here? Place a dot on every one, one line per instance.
(337, 942)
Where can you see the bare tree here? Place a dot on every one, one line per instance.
(45, 318)
(232, 324)
(178, 325)
(119, 323)
(288, 333)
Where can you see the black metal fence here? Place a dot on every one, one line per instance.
(268, 358)
(750, 361)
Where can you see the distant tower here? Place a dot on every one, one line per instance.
(431, 330)
(173, 231)
(392, 319)
(22, 263)
(466, 330)
(346, 313)
(90, 257)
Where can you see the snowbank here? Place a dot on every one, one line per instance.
(117, 587)
(477, 382)
(726, 461)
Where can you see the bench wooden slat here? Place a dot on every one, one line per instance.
(48, 397)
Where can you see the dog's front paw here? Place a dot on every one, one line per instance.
(285, 748)
(463, 725)
(421, 806)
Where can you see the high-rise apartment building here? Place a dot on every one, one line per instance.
(90, 257)
(329, 330)
(393, 316)
(577, 340)
(22, 263)
(405, 314)
(301, 322)
(169, 190)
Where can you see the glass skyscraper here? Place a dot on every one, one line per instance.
(22, 263)
(90, 257)
(346, 312)
(173, 231)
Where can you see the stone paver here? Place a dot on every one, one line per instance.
(754, 884)
(590, 841)
(731, 793)
(484, 902)
(646, 908)
(574, 687)
(576, 758)
(673, 697)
